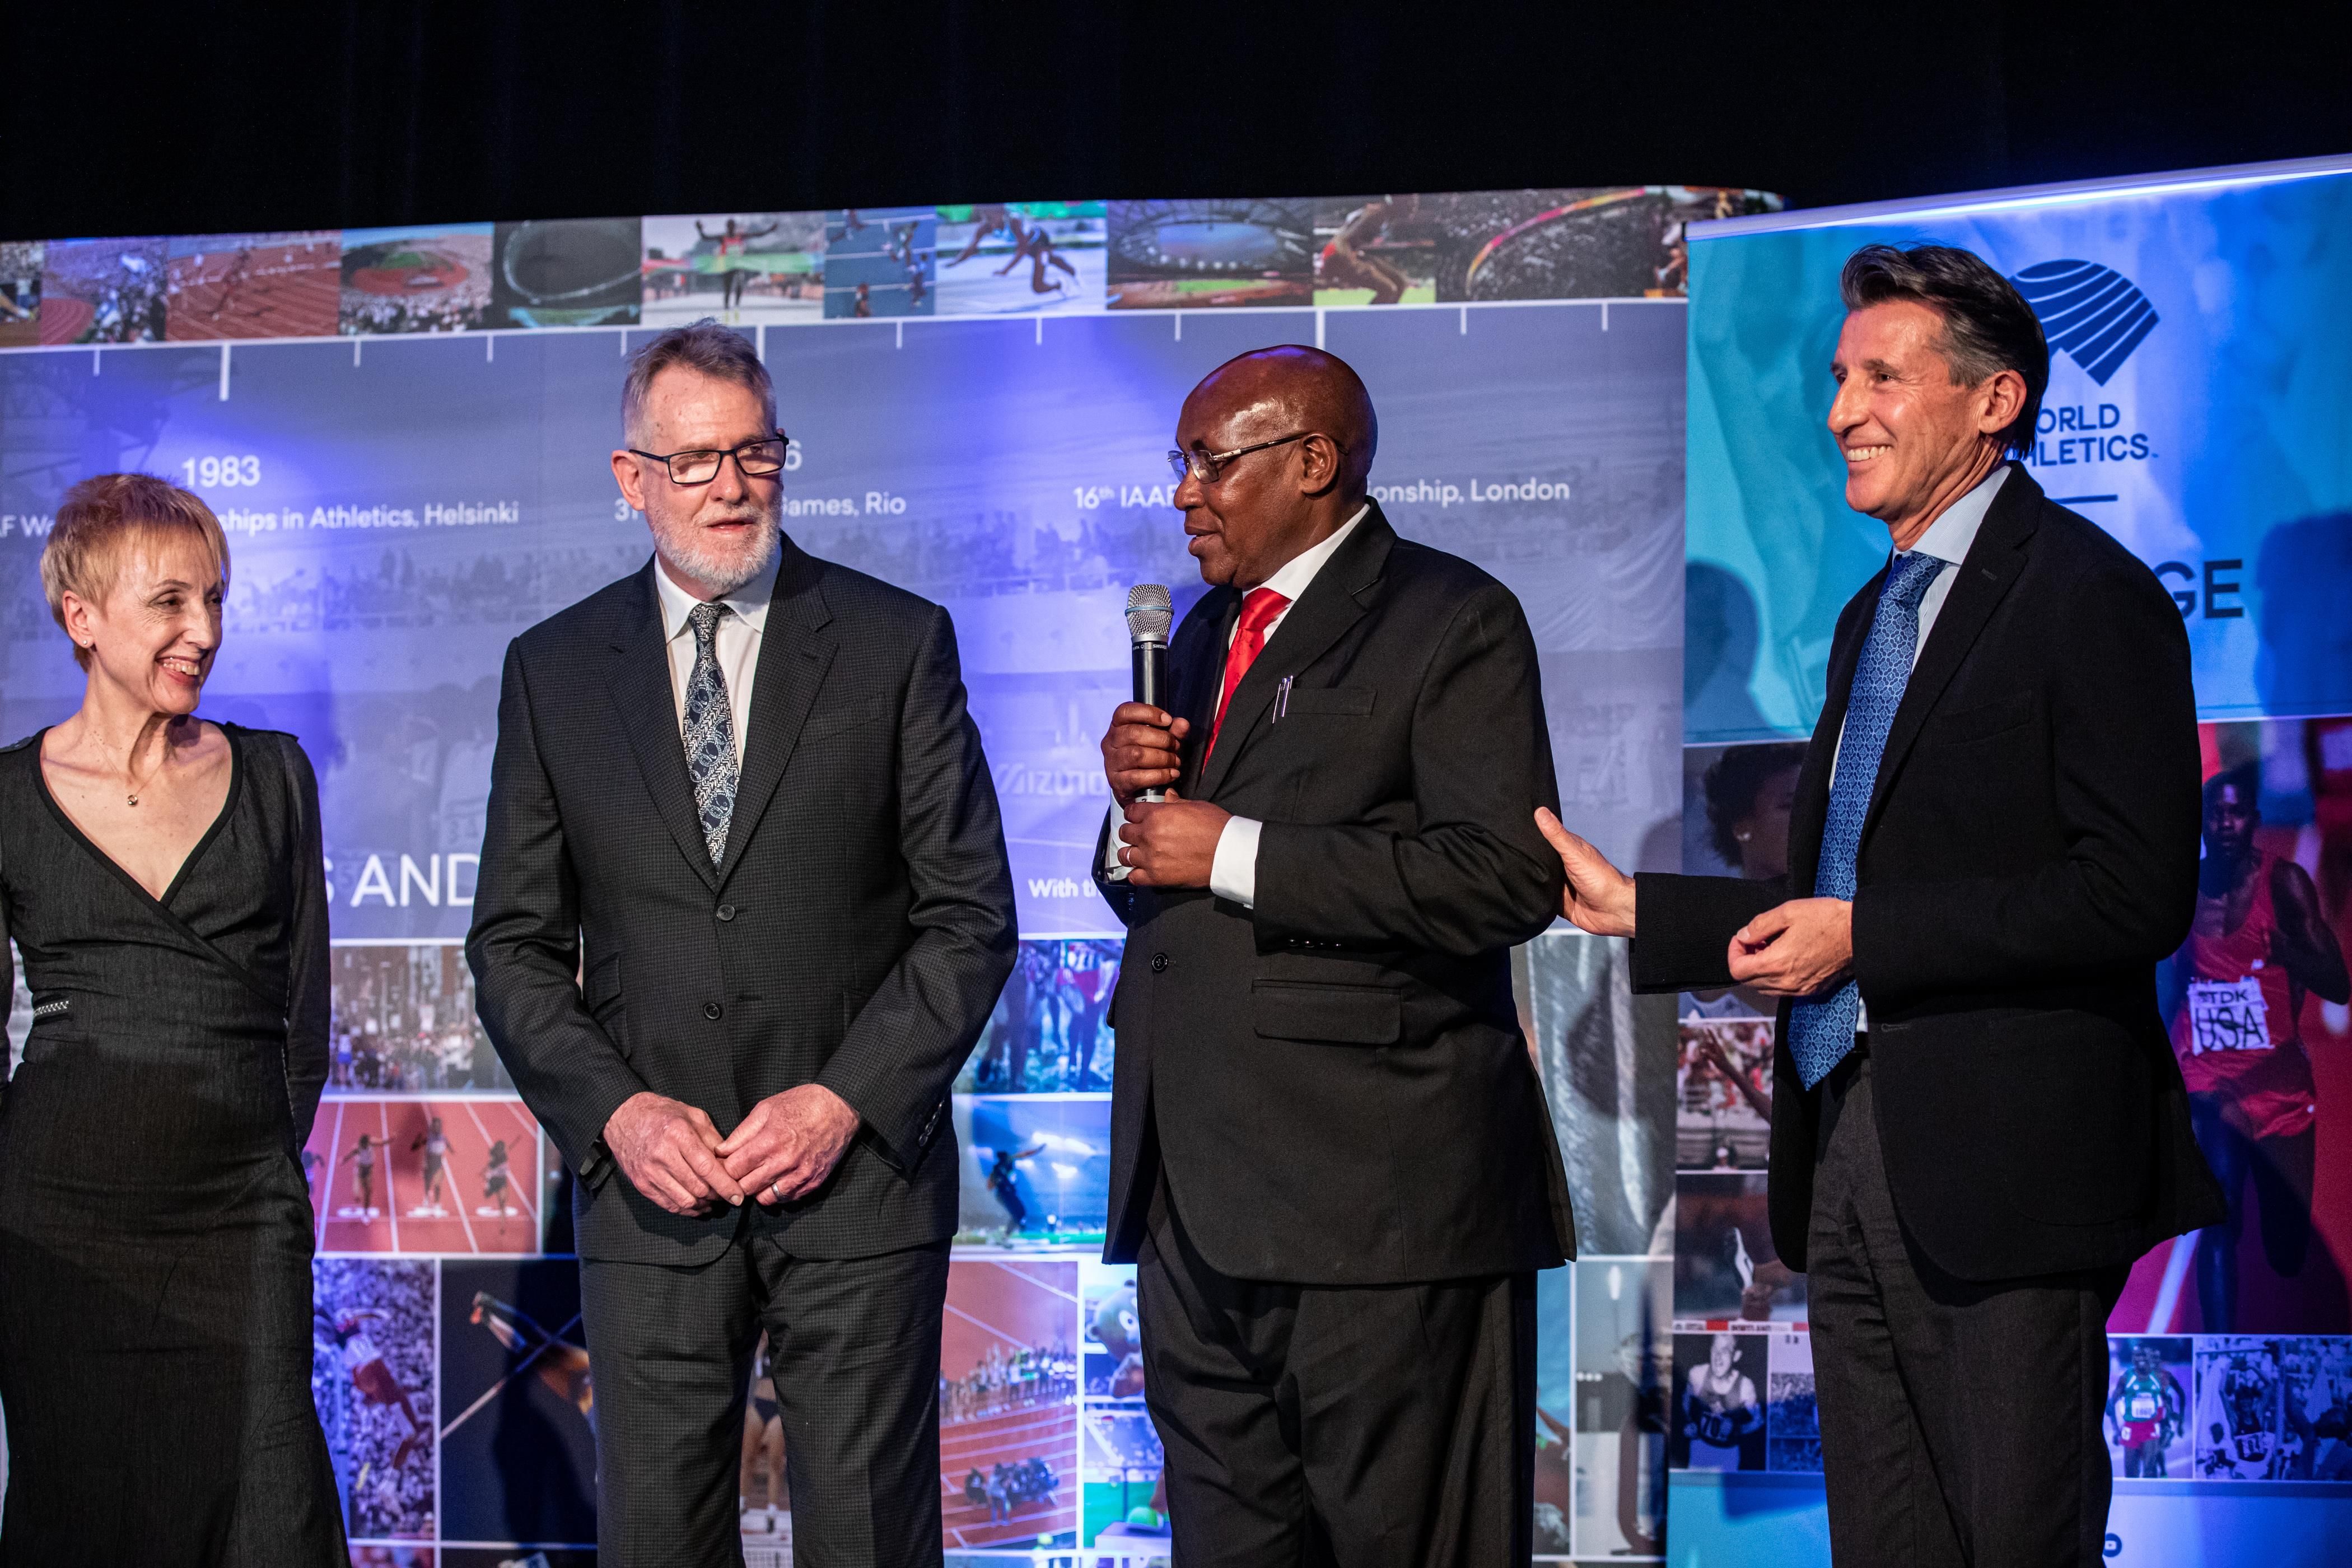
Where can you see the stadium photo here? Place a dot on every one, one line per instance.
(1037, 1170)
(103, 291)
(417, 1175)
(403, 1020)
(1792, 1417)
(519, 1445)
(566, 272)
(1210, 251)
(1008, 1404)
(240, 286)
(1462, 246)
(1050, 1030)
(745, 270)
(415, 279)
(372, 1360)
(1011, 258)
(21, 262)
(881, 261)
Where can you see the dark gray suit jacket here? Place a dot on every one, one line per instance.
(1334, 1082)
(856, 937)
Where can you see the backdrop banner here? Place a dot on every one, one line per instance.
(405, 432)
(2201, 393)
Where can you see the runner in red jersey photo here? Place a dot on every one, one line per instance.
(2236, 989)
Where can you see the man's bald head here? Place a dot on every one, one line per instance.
(1269, 392)
(1310, 422)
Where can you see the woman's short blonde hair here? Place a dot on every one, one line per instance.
(103, 520)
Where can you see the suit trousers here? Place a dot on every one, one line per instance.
(855, 1346)
(1351, 1426)
(1960, 1420)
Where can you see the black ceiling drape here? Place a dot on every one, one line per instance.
(337, 113)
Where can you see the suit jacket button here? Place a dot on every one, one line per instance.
(1158, 963)
(725, 912)
(711, 1010)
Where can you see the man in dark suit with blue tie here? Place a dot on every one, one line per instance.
(744, 908)
(1977, 1120)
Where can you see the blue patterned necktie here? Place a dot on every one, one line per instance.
(710, 733)
(1821, 1031)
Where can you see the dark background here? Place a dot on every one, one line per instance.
(347, 114)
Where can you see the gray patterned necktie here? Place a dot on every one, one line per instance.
(710, 733)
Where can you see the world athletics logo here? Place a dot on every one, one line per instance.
(2092, 313)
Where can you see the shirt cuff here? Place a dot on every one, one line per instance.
(1233, 873)
(1112, 844)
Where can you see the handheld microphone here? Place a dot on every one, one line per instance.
(1149, 614)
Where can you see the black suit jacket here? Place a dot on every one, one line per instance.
(857, 936)
(1334, 1082)
(2028, 856)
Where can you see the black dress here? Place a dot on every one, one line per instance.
(154, 1223)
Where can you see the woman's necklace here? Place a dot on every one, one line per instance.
(132, 794)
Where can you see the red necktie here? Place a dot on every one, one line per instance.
(1258, 610)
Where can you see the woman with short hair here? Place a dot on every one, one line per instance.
(162, 877)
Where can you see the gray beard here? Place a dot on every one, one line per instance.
(721, 574)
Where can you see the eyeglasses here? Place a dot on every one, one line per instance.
(759, 459)
(1204, 465)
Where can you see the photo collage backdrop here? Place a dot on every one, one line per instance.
(404, 433)
(2201, 383)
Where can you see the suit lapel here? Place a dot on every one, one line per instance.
(1985, 578)
(795, 656)
(640, 684)
(1337, 599)
(1198, 681)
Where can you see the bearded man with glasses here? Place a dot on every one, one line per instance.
(743, 911)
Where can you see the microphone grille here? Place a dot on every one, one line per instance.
(1149, 613)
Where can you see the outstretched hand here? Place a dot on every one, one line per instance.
(1599, 897)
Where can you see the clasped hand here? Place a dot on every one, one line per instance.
(1168, 843)
(1801, 948)
(784, 1149)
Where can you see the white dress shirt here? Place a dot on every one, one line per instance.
(1948, 538)
(1233, 874)
(736, 642)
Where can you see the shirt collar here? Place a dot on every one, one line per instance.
(1301, 568)
(748, 602)
(1950, 535)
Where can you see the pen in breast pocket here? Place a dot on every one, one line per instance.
(1282, 697)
